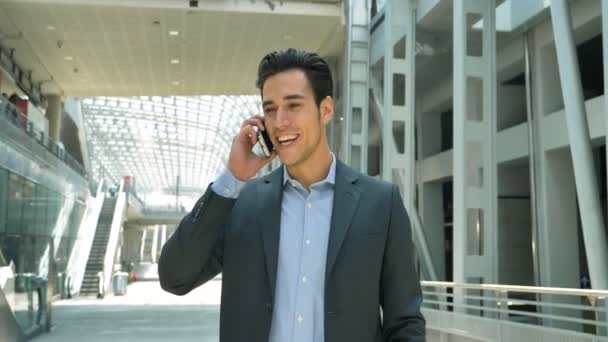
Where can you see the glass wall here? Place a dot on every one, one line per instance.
(32, 217)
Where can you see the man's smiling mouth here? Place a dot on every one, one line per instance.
(287, 139)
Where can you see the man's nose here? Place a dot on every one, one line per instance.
(282, 118)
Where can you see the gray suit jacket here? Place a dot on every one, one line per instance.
(370, 260)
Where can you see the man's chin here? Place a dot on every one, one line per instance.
(288, 160)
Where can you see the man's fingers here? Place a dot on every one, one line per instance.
(249, 134)
(254, 121)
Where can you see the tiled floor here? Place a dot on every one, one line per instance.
(145, 313)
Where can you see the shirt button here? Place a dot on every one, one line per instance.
(300, 319)
(308, 241)
(309, 205)
(304, 279)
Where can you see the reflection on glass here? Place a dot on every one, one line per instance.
(32, 217)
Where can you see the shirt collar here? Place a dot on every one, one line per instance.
(331, 175)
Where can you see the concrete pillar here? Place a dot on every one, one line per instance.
(136, 241)
(592, 219)
(475, 182)
(558, 248)
(398, 159)
(143, 244)
(154, 243)
(163, 237)
(398, 119)
(356, 85)
(475, 177)
(54, 112)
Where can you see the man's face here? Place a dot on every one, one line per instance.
(295, 124)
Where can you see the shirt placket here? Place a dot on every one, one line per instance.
(304, 306)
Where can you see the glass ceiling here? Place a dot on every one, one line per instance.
(156, 139)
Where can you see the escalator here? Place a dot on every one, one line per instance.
(95, 263)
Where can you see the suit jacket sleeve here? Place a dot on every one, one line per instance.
(401, 295)
(193, 254)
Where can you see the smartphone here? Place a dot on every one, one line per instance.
(264, 142)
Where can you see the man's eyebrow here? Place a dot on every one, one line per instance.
(287, 97)
(293, 97)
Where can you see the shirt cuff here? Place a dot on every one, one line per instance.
(226, 185)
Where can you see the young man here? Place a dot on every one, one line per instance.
(311, 252)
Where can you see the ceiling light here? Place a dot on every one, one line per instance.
(51, 28)
(175, 83)
(287, 37)
(68, 58)
(174, 33)
(175, 61)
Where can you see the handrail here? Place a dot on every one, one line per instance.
(134, 200)
(18, 119)
(115, 228)
(600, 294)
(81, 251)
(531, 310)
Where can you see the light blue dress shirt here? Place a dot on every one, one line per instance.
(298, 314)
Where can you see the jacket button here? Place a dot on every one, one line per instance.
(268, 305)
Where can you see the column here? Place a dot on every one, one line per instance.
(558, 247)
(154, 244)
(398, 159)
(54, 111)
(592, 219)
(356, 107)
(143, 244)
(475, 178)
(163, 237)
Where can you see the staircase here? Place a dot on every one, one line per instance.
(90, 282)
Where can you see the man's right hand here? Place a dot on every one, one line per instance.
(243, 163)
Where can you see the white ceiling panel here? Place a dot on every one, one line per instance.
(112, 48)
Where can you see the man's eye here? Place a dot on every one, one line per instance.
(294, 105)
(269, 110)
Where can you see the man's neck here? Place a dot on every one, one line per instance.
(313, 170)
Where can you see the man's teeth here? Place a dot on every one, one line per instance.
(287, 138)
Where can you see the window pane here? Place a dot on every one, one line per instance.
(15, 204)
(3, 199)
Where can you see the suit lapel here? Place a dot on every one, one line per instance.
(270, 194)
(346, 199)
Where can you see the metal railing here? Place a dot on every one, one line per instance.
(501, 312)
(135, 198)
(11, 114)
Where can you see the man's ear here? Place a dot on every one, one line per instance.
(327, 109)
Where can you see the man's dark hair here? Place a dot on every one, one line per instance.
(314, 67)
